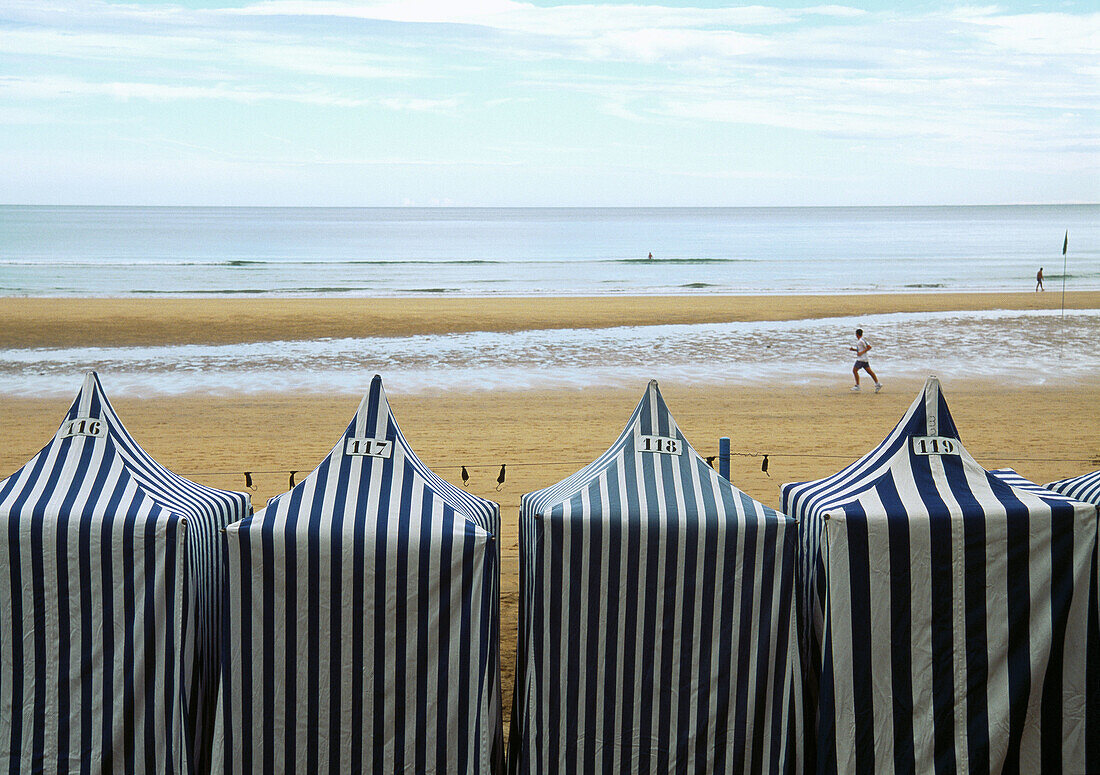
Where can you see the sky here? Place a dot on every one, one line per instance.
(514, 103)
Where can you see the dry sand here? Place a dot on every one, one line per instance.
(1044, 433)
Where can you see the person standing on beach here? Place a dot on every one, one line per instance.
(1039, 279)
(861, 349)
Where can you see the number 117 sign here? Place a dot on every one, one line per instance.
(369, 447)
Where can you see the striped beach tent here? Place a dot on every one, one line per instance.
(362, 619)
(1085, 487)
(946, 614)
(109, 629)
(657, 629)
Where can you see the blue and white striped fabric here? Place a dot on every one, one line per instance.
(362, 619)
(657, 628)
(1085, 487)
(947, 624)
(1011, 476)
(109, 631)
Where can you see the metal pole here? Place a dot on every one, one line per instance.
(1065, 246)
(724, 456)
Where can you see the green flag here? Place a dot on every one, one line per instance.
(1065, 243)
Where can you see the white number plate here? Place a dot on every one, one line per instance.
(369, 447)
(84, 426)
(668, 446)
(935, 445)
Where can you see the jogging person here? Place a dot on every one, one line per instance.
(862, 347)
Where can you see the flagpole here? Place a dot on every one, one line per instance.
(1065, 246)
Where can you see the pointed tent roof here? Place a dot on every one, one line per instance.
(921, 466)
(644, 446)
(894, 569)
(371, 498)
(94, 473)
(704, 600)
(370, 455)
(92, 419)
(1085, 487)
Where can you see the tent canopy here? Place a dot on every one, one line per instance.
(363, 618)
(1011, 476)
(1085, 487)
(656, 628)
(945, 610)
(108, 650)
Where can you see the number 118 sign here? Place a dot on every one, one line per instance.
(663, 444)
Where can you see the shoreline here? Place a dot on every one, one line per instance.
(49, 322)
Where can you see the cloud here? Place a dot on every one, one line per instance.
(54, 88)
(1040, 34)
(561, 20)
(939, 82)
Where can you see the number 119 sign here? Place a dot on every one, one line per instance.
(935, 445)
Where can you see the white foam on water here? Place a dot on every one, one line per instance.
(1027, 347)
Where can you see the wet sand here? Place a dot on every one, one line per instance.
(67, 322)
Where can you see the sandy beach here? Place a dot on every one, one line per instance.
(1044, 432)
(67, 322)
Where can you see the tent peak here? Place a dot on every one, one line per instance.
(932, 405)
(91, 380)
(378, 393)
(89, 389)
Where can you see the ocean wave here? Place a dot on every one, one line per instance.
(272, 262)
(1026, 347)
(686, 261)
(201, 292)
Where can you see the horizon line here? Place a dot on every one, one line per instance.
(543, 207)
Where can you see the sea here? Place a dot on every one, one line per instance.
(153, 252)
(242, 251)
